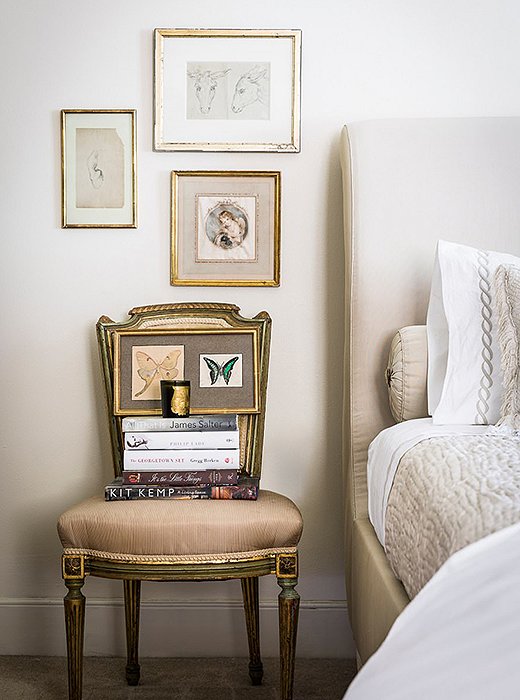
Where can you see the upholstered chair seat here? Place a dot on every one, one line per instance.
(181, 527)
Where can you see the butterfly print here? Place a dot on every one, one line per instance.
(224, 370)
(149, 369)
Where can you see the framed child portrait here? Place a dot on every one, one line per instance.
(225, 228)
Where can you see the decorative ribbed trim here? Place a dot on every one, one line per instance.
(486, 380)
(507, 291)
(184, 322)
(182, 558)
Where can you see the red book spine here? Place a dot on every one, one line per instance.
(203, 477)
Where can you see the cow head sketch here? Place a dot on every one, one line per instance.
(205, 84)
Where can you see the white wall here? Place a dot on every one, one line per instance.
(361, 59)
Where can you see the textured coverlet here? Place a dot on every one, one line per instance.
(449, 492)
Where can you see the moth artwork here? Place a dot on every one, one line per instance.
(150, 364)
(220, 370)
(228, 90)
(226, 228)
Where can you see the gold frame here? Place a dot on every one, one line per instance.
(291, 146)
(178, 275)
(149, 332)
(65, 222)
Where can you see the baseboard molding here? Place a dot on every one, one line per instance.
(35, 627)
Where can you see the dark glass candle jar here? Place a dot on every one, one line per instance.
(175, 398)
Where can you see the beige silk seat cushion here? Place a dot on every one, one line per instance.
(181, 527)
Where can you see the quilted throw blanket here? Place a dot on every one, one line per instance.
(447, 493)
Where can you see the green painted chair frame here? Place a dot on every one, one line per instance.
(283, 564)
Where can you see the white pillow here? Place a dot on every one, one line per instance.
(464, 374)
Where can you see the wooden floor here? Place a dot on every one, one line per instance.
(45, 678)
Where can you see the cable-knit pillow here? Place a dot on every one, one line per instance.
(406, 374)
(507, 296)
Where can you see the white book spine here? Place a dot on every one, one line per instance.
(190, 423)
(182, 441)
(180, 460)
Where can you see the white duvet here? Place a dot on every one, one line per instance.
(459, 638)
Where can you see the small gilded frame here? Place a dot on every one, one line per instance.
(221, 365)
(98, 168)
(227, 90)
(225, 228)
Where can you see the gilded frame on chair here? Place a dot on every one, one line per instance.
(225, 228)
(221, 365)
(98, 168)
(227, 90)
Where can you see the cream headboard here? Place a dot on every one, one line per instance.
(407, 183)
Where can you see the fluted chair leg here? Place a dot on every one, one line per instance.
(74, 603)
(252, 613)
(288, 606)
(132, 591)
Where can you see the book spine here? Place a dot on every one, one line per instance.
(222, 439)
(205, 477)
(180, 460)
(135, 493)
(189, 424)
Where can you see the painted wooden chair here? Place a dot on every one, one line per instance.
(185, 540)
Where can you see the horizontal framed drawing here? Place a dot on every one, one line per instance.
(225, 228)
(220, 364)
(98, 168)
(227, 90)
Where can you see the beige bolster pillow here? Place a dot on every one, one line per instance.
(406, 374)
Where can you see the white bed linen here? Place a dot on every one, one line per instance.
(385, 452)
(459, 638)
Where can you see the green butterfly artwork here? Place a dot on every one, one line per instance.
(220, 370)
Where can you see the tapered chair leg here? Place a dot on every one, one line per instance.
(74, 603)
(252, 612)
(288, 606)
(132, 591)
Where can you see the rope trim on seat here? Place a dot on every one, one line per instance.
(182, 558)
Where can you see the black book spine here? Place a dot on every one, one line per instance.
(246, 489)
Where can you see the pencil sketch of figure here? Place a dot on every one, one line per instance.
(252, 88)
(95, 173)
(205, 84)
(100, 168)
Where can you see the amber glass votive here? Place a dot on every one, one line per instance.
(175, 398)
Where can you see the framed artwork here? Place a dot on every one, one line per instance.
(220, 364)
(98, 168)
(227, 90)
(225, 228)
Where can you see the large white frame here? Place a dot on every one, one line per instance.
(176, 129)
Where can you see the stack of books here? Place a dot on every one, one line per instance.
(190, 458)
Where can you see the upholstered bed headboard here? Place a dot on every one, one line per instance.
(408, 183)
